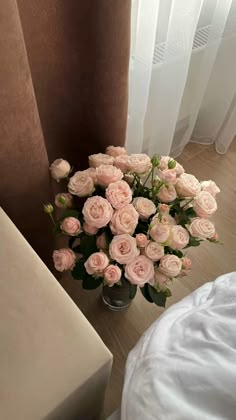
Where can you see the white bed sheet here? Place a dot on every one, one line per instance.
(184, 366)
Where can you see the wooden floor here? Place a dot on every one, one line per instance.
(121, 331)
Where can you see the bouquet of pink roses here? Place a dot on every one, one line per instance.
(131, 217)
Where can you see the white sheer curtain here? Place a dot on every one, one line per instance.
(182, 75)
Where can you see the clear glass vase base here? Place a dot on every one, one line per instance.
(115, 305)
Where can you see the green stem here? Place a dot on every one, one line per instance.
(152, 181)
(148, 177)
(52, 218)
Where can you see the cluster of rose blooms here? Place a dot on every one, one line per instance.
(143, 213)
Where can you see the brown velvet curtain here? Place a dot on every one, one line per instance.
(63, 93)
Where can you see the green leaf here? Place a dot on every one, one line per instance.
(176, 252)
(191, 212)
(146, 293)
(90, 282)
(79, 272)
(70, 213)
(88, 245)
(71, 241)
(159, 298)
(193, 242)
(132, 291)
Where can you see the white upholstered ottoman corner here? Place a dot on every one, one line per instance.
(53, 364)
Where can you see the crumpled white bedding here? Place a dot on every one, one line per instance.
(184, 366)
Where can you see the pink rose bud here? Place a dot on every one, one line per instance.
(90, 230)
(186, 263)
(112, 274)
(64, 259)
(163, 208)
(96, 263)
(102, 241)
(141, 240)
(71, 226)
(64, 200)
(60, 169)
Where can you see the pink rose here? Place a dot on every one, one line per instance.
(102, 241)
(154, 251)
(100, 159)
(160, 279)
(167, 193)
(170, 265)
(160, 232)
(168, 176)
(112, 274)
(64, 259)
(115, 151)
(90, 230)
(96, 263)
(202, 228)
(129, 179)
(64, 200)
(163, 208)
(106, 174)
(186, 266)
(124, 220)
(122, 163)
(144, 207)
(123, 248)
(167, 219)
(180, 237)
(164, 162)
(71, 226)
(139, 163)
(211, 187)
(204, 204)
(141, 240)
(179, 169)
(60, 169)
(92, 173)
(81, 184)
(119, 194)
(140, 271)
(187, 186)
(97, 211)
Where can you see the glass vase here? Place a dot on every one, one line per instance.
(117, 297)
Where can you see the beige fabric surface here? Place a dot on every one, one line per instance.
(53, 364)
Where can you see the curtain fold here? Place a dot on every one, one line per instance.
(182, 78)
(63, 93)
